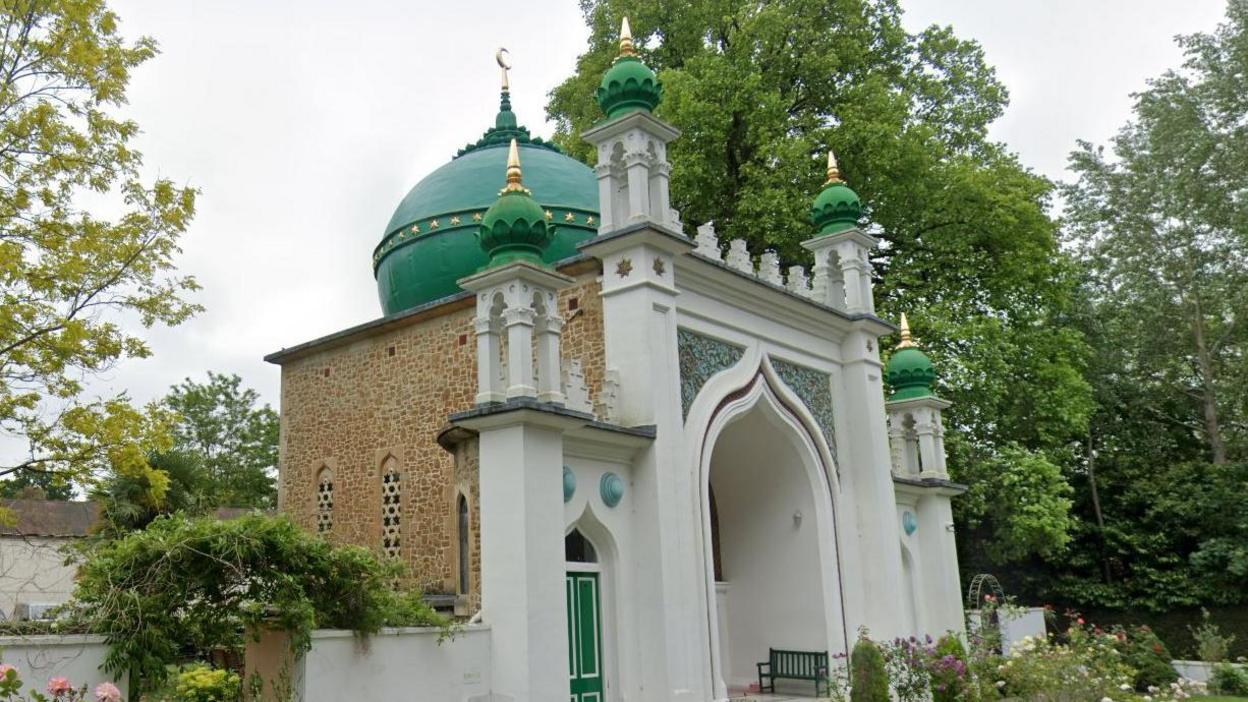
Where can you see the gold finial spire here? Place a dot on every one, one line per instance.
(513, 170)
(834, 172)
(501, 56)
(626, 40)
(906, 340)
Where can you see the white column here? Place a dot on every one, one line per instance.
(942, 586)
(851, 272)
(549, 373)
(606, 192)
(519, 323)
(489, 352)
(638, 186)
(522, 561)
(868, 480)
(660, 199)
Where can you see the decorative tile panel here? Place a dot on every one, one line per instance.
(815, 390)
(700, 358)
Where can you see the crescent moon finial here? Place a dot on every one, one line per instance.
(502, 57)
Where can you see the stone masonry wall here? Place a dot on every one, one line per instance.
(386, 394)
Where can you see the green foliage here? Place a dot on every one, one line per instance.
(200, 682)
(1212, 646)
(948, 670)
(968, 250)
(1148, 656)
(233, 438)
(199, 583)
(868, 679)
(37, 485)
(1087, 667)
(129, 502)
(66, 275)
(1228, 679)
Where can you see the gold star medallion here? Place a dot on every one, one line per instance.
(569, 217)
(624, 267)
(589, 221)
(549, 215)
(476, 216)
(455, 221)
(659, 266)
(415, 228)
(433, 224)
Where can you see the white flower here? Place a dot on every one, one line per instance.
(1000, 683)
(1124, 687)
(1106, 699)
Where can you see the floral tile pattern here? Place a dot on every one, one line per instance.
(700, 358)
(814, 387)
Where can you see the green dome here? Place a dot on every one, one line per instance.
(836, 208)
(628, 86)
(431, 241)
(515, 226)
(909, 372)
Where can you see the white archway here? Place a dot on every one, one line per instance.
(774, 483)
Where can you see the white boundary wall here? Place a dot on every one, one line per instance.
(397, 665)
(40, 658)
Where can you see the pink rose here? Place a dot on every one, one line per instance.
(107, 692)
(5, 668)
(59, 686)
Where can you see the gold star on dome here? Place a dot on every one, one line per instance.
(589, 221)
(455, 221)
(433, 224)
(569, 217)
(549, 215)
(476, 216)
(415, 228)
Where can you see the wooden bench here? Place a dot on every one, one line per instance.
(793, 665)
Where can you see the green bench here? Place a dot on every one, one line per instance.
(793, 665)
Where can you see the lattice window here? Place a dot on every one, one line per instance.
(391, 510)
(325, 501)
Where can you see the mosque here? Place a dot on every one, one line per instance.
(643, 459)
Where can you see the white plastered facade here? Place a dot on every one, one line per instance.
(753, 514)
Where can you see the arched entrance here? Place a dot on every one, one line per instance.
(772, 549)
(586, 679)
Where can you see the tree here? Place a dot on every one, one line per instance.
(69, 277)
(761, 91)
(231, 439)
(1160, 225)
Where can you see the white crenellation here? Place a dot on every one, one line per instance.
(769, 268)
(575, 390)
(608, 406)
(708, 242)
(739, 256)
(798, 282)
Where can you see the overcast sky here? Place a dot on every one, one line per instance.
(304, 122)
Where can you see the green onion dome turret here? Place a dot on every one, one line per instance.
(629, 85)
(909, 371)
(837, 207)
(515, 226)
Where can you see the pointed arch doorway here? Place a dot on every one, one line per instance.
(771, 554)
(584, 596)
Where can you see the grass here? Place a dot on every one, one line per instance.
(1219, 698)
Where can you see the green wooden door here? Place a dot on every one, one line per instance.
(584, 638)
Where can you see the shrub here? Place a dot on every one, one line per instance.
(1229, 679)
(948, 670)
(868, 681)
(1148, 655)
(1211, 645)
(1087, 667)
(195, 584)
(200, 683)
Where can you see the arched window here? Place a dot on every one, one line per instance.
(324, 500)
(577, 549)
(391, 508)
(462, 511)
